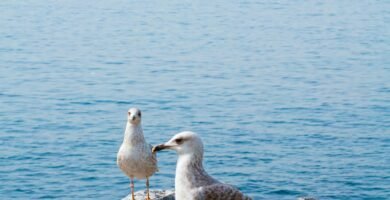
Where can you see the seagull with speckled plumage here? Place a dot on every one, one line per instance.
(192, 182)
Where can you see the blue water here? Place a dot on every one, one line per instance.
(291, 98)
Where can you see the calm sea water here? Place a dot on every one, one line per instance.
(291, 98)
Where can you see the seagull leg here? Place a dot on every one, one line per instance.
(147, 188)
(132, 188)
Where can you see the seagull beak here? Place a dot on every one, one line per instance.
(159, 148)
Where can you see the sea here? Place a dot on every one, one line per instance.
(291, 98)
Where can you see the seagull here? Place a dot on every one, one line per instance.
(192, 182)
(135, 157)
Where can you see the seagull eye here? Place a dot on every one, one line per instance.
(129, 113)
(139, 114)
(179, 140)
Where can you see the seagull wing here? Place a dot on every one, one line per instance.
(153, 157)
(220, 192)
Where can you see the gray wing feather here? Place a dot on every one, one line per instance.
(154, 157)
(220, 192)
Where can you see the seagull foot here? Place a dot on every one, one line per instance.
(147, 196)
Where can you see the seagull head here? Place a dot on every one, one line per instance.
(134, 116)
(183, 143)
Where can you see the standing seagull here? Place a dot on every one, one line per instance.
(135, 157)
(192, 182)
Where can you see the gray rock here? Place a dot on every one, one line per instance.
(306, 198)
(170, 195)
(154, 195)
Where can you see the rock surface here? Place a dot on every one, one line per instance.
(170, 195)
(306, 198)
(154, 195)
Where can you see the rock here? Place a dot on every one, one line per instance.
(306, 198)
(154, 195)
(170, 195)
